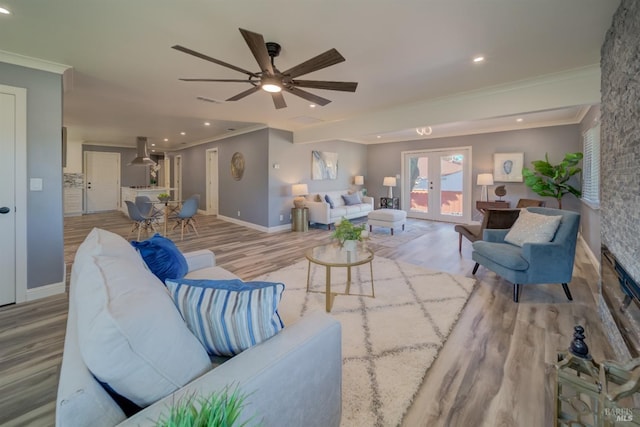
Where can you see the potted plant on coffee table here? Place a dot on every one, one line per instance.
(349, 234)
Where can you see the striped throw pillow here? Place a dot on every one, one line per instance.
(228, 316)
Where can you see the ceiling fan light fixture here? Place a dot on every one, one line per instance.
(271, 84)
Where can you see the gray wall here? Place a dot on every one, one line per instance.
(45, 241)
(129, 175)
(620, 137)
(384, 159)
(250, 194)
(294, 161)
(590, 219)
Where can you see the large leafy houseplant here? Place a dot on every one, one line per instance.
(549, 180)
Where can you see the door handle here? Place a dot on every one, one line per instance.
(4, 210)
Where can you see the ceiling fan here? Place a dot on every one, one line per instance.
(272, 80)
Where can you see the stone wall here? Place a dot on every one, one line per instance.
(620, 137)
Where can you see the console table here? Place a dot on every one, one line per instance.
(496, 204)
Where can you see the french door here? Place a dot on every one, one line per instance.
(436, 184)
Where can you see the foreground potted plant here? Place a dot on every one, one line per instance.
(220, 409)
(348, 234)
(549, 180)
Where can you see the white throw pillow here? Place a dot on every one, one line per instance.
(533, 228)
(130, 333)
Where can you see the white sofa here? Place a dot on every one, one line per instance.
(320, 212)
(293, 378)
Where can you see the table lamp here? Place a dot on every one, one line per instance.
(485, 179)
(358, 180)
(299, 191)
(389, 181)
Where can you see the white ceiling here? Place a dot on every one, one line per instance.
(124, 77)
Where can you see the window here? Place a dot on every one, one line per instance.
(591, 166)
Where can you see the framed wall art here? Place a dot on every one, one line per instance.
(324, 165)
(507, 167)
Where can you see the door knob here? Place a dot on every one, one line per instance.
(4, 210)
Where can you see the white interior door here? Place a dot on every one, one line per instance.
(177, 177)
(103, 181)
(7, 199)
(13, 194)
(212, 181)
(436, 184)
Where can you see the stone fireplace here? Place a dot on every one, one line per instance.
(620, 172)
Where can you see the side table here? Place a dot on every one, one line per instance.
(389, 203)
(299, 219)
(496, 204)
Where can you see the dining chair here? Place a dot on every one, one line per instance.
(527, 203)
(147, 208)
(140, 221)
(492, 219)
(184, 218)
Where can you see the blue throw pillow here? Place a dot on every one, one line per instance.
(228, 316)
(351, 199)
(328, 200)
(162, 257)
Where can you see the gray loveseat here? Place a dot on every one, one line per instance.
(321, 212)
(293, 378)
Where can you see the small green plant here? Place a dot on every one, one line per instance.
(219, 409)
(345, 230)
(163, 196)
(549, 180)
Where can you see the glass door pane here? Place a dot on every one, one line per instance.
(436, 185)
(451, 184)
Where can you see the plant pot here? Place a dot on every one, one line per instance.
(350, 245)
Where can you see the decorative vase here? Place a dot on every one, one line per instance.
(350, 245)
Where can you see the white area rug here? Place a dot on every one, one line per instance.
(388, 342)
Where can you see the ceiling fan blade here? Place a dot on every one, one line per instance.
(318, 84)
(215, 61)
(324, 60)
(278, 100)
(217, 80)
(256, 43)
(308, 96)
(245, 93)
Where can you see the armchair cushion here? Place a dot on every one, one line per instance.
(228, 316)
(506, 255)
(533, 228)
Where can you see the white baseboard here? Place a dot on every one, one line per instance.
(589, 252)
(276, 229)
(45, 291)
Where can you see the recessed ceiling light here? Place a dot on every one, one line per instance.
(312, 105)
(519, 119)
(5, 11)
(183, 133)
(166, 140)
(153, 145)
(378, 136)
(207, 124)
(478, 59)
(153, 151)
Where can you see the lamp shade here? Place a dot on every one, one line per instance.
(485, 179)
(389, 181)
(358, 180)
(299, 190)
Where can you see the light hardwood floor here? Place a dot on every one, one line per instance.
(496, 368)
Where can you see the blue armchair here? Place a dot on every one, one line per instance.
(533, 263)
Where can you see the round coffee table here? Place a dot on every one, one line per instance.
(333, 255)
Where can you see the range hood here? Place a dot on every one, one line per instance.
(143, 157)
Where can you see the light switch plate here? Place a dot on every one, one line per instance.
(35, 184)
